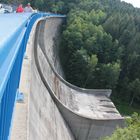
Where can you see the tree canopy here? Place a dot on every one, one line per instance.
(106, 33)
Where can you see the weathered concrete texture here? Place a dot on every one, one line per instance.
(51, 39)
(89, 113)
(45, 120)
(95, 104)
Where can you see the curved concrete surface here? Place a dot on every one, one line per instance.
(90, 114)
(45, 120)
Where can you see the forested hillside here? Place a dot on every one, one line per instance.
(100, 45)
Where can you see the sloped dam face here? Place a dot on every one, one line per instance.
(57, 109)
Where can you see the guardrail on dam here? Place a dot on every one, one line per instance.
(57, 109)
(89, 114)
(14, 32)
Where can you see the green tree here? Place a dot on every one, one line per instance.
(108, 75)
(92, 63)
(131, 132)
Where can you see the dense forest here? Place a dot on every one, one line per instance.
(100, 45)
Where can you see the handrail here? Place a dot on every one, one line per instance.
(12, 49)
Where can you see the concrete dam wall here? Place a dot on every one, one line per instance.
(59, 110)
(45, 120)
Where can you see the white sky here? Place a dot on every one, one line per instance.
(135, 3)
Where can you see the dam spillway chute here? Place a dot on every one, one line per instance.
(90, 114)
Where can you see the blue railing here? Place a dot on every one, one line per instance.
(14, 33)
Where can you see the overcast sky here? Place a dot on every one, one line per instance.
(135, 3)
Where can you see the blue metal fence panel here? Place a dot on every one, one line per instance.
(15, 30)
